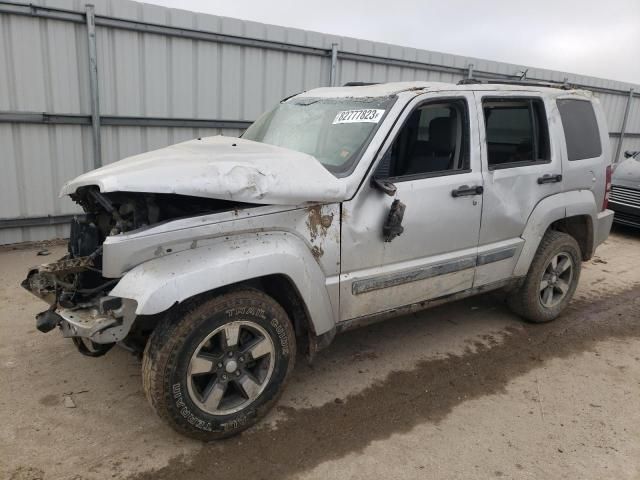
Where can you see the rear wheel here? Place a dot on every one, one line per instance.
(220, 366)
(551, 281)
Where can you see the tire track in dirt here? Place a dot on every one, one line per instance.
(427, 393)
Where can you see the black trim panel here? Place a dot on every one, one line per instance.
(496, 256)
(420, 176)
(394, 279)
(527, 163)
(385, 281)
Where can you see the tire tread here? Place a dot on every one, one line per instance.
(171, 332)
(524, 300)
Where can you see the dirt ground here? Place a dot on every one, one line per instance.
(465, 390)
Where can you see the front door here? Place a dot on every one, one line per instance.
(432, 158)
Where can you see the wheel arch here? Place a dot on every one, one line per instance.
(579, 227)
(284, 291)
(278, 286)
(569, 212)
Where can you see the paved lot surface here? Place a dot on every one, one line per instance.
(461, 391)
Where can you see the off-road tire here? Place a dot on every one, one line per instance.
(525, 300)
(172, 343)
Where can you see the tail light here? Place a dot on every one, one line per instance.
(607, 188)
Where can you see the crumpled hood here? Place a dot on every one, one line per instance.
(220, 167)
(627, 173)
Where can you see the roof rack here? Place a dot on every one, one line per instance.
(516, 81)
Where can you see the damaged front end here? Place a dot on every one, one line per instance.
(74, 286)
(77, 293)
(198, 178)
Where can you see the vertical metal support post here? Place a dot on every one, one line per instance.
(93, 85)
(470, 71)
(623, 130)
(334, 64)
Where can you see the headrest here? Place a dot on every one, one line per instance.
(441, 134)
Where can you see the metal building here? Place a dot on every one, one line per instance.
(82, 86)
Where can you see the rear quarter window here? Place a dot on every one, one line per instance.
(580, 129)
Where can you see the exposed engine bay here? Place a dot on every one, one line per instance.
(75, 282)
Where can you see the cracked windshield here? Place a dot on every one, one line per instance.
(334, 131)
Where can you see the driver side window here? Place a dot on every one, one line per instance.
(434, 140)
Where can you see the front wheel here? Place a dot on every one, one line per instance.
(220, 366)
(551, 281)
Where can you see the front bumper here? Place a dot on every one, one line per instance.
(97, 323)
(90, 324)
(103, 320)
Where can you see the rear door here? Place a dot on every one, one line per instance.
(521, 165)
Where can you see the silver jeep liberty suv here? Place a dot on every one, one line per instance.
(218, 259)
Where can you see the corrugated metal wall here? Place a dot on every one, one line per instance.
(203, 70)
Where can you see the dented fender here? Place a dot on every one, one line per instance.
(158, 284)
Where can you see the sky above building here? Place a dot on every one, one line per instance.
(589, 37)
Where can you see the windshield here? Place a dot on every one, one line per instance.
(333, 130)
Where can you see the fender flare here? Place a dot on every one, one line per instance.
(158, 284)
(547, 211)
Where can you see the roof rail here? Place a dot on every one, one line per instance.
(530, 83)
(359, 84)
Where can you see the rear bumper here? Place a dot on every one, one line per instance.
(625, 214)
(602, 227)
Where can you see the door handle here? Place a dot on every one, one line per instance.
(550, 178)
(466, 190)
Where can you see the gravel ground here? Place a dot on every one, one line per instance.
(465, 390)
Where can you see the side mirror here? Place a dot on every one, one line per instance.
(384, 186)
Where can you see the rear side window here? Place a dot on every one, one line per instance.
(580, 129)
(517, 132)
